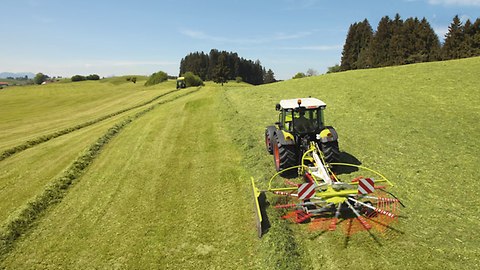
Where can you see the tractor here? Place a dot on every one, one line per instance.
(329, 192)
(181, 82)
(300, 122)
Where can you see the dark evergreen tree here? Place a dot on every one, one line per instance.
(354, 54)
(397, 45)
(466, 47)
(221, 72)
(378, 52)
(430, 43)
(348, 51)
(476, 37)
(269, 77)
(453, 40)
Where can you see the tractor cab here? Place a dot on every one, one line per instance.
(300, 123)
(181, 82)
(301, 116)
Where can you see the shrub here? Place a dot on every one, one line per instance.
(156, 78)
(93, 77)
(192, 79)
(78, 78)
(299, 75)
(334, 69)
(238, 79)
(40, 78)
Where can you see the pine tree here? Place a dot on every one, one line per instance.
(221, 71)
(365, 36)
(476, 37)
(269, 77)
(354, 54)
(431, 43)
(453, 40)
(466, 47)
(347, 53)
(397, 43)
(379, 48)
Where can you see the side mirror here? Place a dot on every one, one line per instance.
(277, 107)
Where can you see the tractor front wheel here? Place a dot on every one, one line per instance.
(285, 156)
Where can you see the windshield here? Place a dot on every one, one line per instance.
(307, 121)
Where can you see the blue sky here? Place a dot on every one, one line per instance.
(64, 38)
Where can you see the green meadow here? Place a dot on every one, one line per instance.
(115, 175)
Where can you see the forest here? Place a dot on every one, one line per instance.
(222, 66)
(400, 42)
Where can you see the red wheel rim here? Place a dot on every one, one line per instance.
(276, 156)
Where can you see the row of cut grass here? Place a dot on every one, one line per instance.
(44, 138)
(21, 221)
(160, 195)
(29, 112)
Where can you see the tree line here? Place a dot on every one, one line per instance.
(399, 42)
(222, 66)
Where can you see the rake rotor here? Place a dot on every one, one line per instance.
(325, 201)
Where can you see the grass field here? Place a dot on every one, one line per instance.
(418, 125)
(32, 111)
(167, 182)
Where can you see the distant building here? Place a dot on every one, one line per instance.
(3, 84)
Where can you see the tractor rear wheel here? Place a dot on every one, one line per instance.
(285, 156)
(331, 151)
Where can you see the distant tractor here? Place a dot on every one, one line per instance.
(300, 122)
(181, 82)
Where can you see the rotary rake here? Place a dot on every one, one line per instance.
(320, 198)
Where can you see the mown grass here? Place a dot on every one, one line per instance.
(416, 124)
(159, 196)
(32, 111)
(22, 220)
(172, 189)
(123, 80)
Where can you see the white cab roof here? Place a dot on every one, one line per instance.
(309, 103)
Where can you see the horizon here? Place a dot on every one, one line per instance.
(115, 39)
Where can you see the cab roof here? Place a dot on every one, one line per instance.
(309, 103)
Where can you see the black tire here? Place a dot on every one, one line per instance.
(285, 156)
(269, 141)
(331, 151)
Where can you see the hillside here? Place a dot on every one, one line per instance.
(164, 180)
(418, 125)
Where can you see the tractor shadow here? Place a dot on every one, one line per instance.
(349, 159)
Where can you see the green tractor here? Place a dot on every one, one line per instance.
(181, 83)
(300, 122)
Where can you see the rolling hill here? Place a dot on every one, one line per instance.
(161, 178)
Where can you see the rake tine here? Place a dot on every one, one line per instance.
(333, 223)
(364, 223)
(381, 211)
